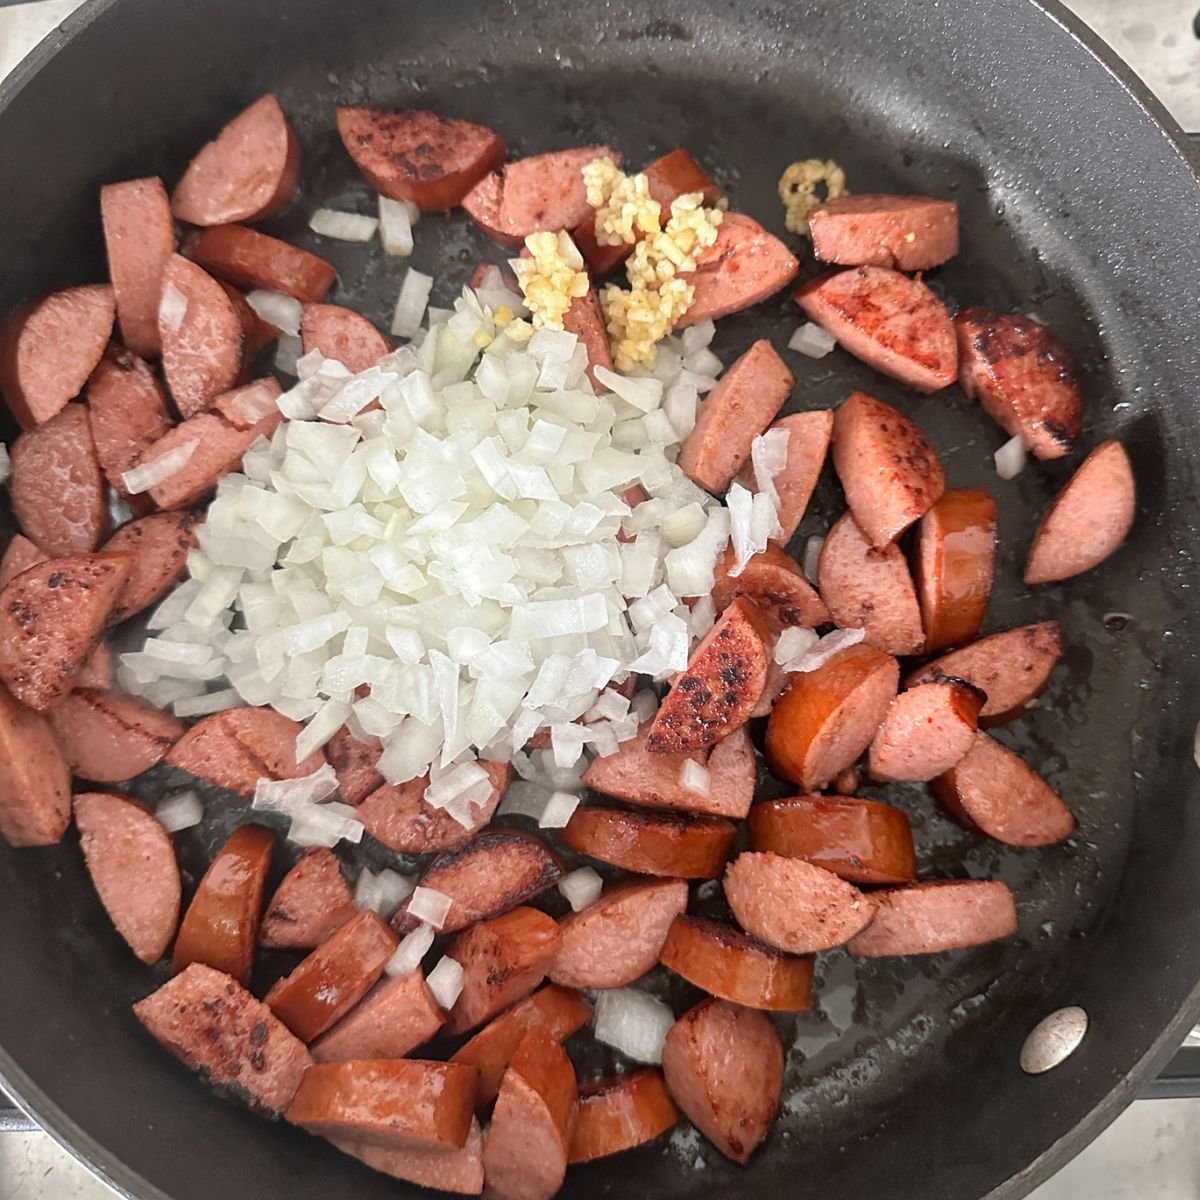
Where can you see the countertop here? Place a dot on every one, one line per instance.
(1152, 1152)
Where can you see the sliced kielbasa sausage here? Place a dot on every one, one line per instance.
(35, 781)
(652, 843)
(927, 918)
(926, 731)
(398, 1014)
(312, 902)
(250, 259)
(621, 1112)
(443, 1168)
(808, 443)
(107, 737)
(127, 412)
(356, 761)
(342, 334)
(158, 546)
(906, 233)
(20, 556)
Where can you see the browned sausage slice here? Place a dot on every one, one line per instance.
(158, 546)
(444, 1168)
(927, 918)
(808, 443)
(312, 902)
(251, 259)
(637, 774)
(888, 470)
(827, 718)
(724, 679)
(955, 559)
(617, 939)
(742, 267)
(673, 844)
(559, 1011)
(396, 1015)
(893, 323)
(51, 619)
(585, 320)
(773, 580)
(399, 816)
(48, 349)
(1087, 520)
(127, 412)
(1011, 668)
(249, 170)
(724, 1067)
(745, 401)
(621, 1112)
(525, 1151)
(57, 486)
(906, 233)
(926, 731)
(996, 792)
(139, 237)
(35, 782)
(432, 160)
(355, 761)
(20, 556)
(342, 334)
(131, 860)
(733, 966)
(503, 960)
(495, 871)
(870, 588)
(107, 737)
(211, 1023)
(388, 1101)
(201, 336)
(220, 927)
(1023, 377)
(334, 977)
(791, 904)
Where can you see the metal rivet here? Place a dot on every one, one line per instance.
(1053, 1040)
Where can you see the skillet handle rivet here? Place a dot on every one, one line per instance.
(1053, 1039)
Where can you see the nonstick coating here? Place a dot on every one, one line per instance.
(1076, 205)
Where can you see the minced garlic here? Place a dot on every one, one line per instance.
(551, 278)
(623, 204)
(798, 189)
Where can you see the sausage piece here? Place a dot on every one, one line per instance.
(503, 960)
(220, 927)
(994, 791)
(617, 939)
(158, 546)
(249, 170)
(51, 619)
(387, 1102)
(432, 160)
(893, 323)
(1023, 377)
(859, 840)
(674, 844)
(399, 816)
(334, 977)
(585, 320)
(637, 774)
(888, 470)
(725, 677)
(1087, 520)
(791, 904)
(1010, 668)
(927, 730)
(397, 1015)
(724, 1068)
(906, 233)
(48, 349)
(107, 737)
(927, 918)
(955, 560)
(139, 237)
(870, 588)
(57, 487)
(131, 860)
(20, 556)
(621, 1112)
(355, 761)
(444, 1168)
(495, 871)
(127, 412)
(525, 1150)
(250, 259)
(559, 1011)
(745, 401)
(742, 267)
(201, 336)
(35, 782)
(342, 334)
(211, 1023)
(312, 902)
(731, 965)
(98, 671)
(808, 443)
(828, 717)
(773, 580)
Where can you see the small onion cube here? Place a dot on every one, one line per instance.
(147, 475)
(695, 777)
(180, 810)
(812, 341)
(445, 982)
(406, 958)
(396, 219)
(277, 309)
(5, 464)
(344, 226)
(430, 906)
(558, 810)
(1010, 458)
(410, 305)
(581, 888)
(632, 1022)
(812, 558)
(831, 644)
(793, 642)
(172, 307)
(287, 354)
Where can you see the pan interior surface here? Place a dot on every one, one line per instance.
(903, 1080)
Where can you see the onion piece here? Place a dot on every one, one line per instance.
(410, 305)
(445, 982)
(396, 219)
(180, 810)
(831, 644)
(344, 226)
(1010, 458)
(5, 464)
(172, 307)
(147, 475)
(812, 558)
(277, 309)
(632, 1022)
(581, 888)
(695, 777)
(558, 810)
(406, 958)
(811, 340)
(430, 905)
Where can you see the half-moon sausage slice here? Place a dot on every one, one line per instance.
(249, 259)
(869, 229)
(312, 902)
(927, 918)
(585, 319)
(158, 546)
(808, 443)
(773, 580)
(20, 556)
(342, 334)
(396, 1015)
(997, 793)
(733, 966)
(127, 412)
(443, 1168)
(35, 781)
(356, 761)
(621, 1112)
(674, 844)
(926, 731)
(108, 737)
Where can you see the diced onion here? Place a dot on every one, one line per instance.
(396, 219)
(812, 558)
(430, 906)
(292, 795)
(410, 305)
(445, 982)
(581, 888)
(172, 307)
(406, 958)
(287, 354)
(147, 475)
(793, 642)
(5, 464)
(811, 340)
(346, 227)
(381, 893)
(695, 777)
(632, 1022)
(180, 810)
(558, 810)
(277, 309)
(1010, 458)
(208, 702)
(831, 644)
